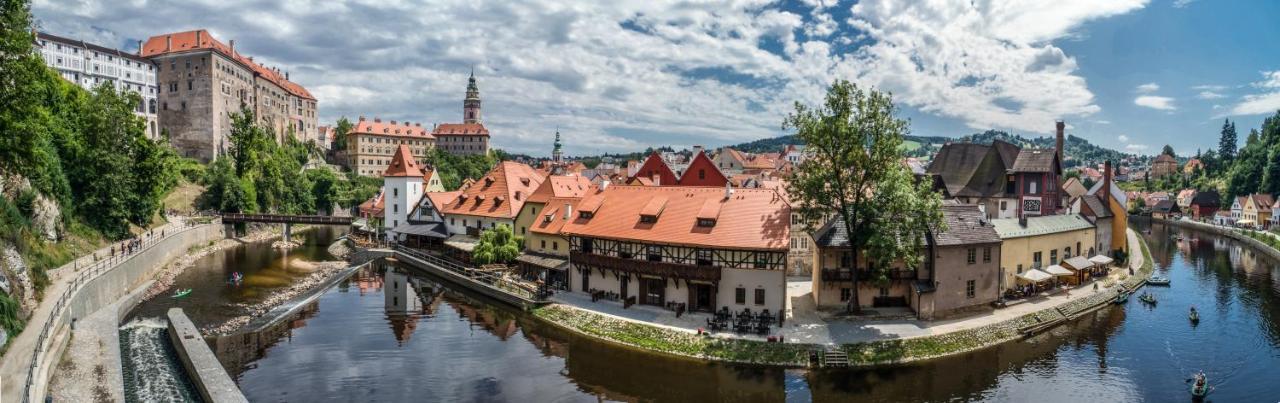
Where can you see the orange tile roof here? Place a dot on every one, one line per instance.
(747, 219)
(499, 194)
(711, 174)
(374, 206)
(403, 164)
(179, 42)
(654, 206)
(391, 128)
(655, 166)
(552, 219)
(561, 186)
(442, 198)
(460, 129)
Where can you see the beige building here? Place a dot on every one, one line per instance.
(959, 272)
(372, 142)
(88, 65)
(203, 81)
(539, 222)
(1040, 242)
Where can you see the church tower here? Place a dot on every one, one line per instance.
(555, 152)
(471, 105)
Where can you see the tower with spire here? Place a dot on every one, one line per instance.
(471, 105)
(555, 152)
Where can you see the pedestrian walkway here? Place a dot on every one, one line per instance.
(16, 365)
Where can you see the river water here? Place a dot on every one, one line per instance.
(386, 334)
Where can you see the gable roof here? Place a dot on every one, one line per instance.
(560, 186)
(711, 175)
(1208, 198)
(1121, 197)
(1164, 158)
(747, 219)
(965, 223)
(499, 194)
(1040, 225)
(655, 166)
(460, 129)
(1094, 206)
(1166, 206)
(1036, 160)
(403, 164)
(1262, 200)
(1074, 188)
(973, 170)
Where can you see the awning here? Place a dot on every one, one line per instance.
(1101, 260)
(465, 243)
(1059, 271)
(433, 230)
(1034, 276)
(543, 261)
(1245, 222)
(1078, 263)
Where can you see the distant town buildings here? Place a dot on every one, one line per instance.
(469, 137)
(371, 143)
(1006, 180)
(202, 81)
(89, 65)
(1164, 165)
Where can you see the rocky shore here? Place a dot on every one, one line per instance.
(320, 272)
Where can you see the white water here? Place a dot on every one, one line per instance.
(153, 372)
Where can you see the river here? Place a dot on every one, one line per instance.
(386, 334)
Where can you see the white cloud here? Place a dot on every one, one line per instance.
(1155, 102)
(622, 75)
(1135, 147)
(1209, 87)
(1182, 3)
(1147, 88)
(1263, 103)
(1209, 95)
(1123, 138)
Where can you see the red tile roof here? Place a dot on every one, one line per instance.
(460, 129)
(561, 186)
(391, 128)
(403, 164)
(442, 198)
(711, 176)
(747, 219)
(654, 166)
(499, 194)
(179, 42)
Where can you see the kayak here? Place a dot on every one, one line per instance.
(1158, 280)
(182, 293)
(1148, 298)
(236, 278)
(1194, 317)
(1200, 385)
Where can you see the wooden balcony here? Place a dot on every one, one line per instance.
(639, 266)
(845, 274)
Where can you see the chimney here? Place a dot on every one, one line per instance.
(1106, 183)
(697, 150)
(198, 38)
(657, 180)
(1061, 127)
(139, 48)
(233, 46)
(286, 75)
(168, 42)
(377, 120)
(393, 122)
(728, 190)
(568, 210)
(361, 118)
(604, 184)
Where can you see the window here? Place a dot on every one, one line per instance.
(704, 257)
(648, 219)
(702, 173)
(655, 253)
(759, 296)
(1066, 254)
(191, 85)
(846, 294)
(761, 261)
(1004, 205)
(1019, 269)
(395, 208)
(969, 289)
(1053, 256)
(972, 255)
(986, 255)
(706, 222)
(395, 192)
(740, 295)
(544, 244)
(1035, 259)
(555, 245)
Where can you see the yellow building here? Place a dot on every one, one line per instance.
(1256, 211)
(1040, 242)
(1118, 203)
(540, 220)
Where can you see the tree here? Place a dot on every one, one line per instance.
(1168, 150)
(857, 171)
(1228, 142)
(340, 133)
(497, 245)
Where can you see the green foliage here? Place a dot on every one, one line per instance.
(1228, 142)
(497, 245)
(258, 175)
(1168, 150)
(1256, 167)
(9, 316)
(340, 131)
(856, 170)
(454, 168)
(358, 189)
(326, 188)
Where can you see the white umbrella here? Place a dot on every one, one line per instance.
(1101, 260)
(1059, 271)
(1034, 276)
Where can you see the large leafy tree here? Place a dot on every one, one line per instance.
(1168, 150)
(497, 245)
(857, 175)
(340, 133)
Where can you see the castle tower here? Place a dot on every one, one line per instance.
(555, 153)
(471, 105)
(402, 189)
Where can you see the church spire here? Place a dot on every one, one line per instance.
(471, 105)
(555, 152)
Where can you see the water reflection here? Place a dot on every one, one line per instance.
(391, 334)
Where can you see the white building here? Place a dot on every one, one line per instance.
(88, 65)
(402, 189)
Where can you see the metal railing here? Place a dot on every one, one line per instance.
(285, 218)
(87, 274)
(496, 281)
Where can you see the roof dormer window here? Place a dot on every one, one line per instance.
(586, 214)
(706, 222)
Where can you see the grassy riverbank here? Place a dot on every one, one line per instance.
(670, 341)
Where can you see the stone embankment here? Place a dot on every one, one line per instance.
(881, 352)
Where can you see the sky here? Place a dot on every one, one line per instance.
(623, 75)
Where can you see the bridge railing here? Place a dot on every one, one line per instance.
(285, 218)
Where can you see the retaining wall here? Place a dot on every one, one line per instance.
(207, 374)
(1233, 233)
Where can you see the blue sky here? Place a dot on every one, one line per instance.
(624, 75)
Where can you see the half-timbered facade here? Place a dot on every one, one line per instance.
(707, 248)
